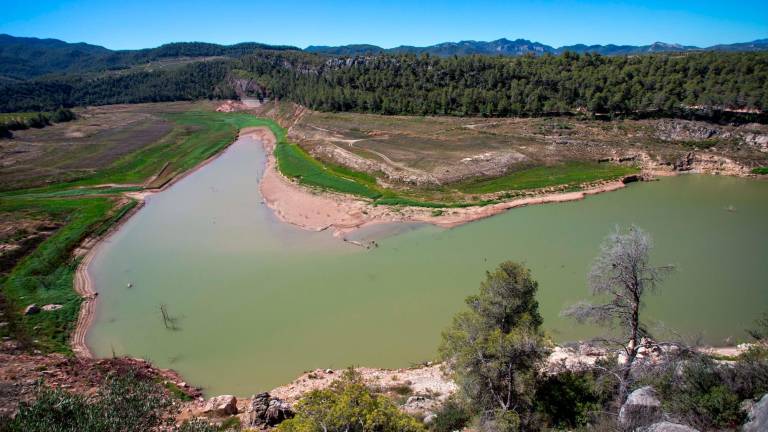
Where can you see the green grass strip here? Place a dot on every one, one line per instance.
(572, 173)
(46, 275)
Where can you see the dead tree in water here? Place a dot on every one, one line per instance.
(168, 320)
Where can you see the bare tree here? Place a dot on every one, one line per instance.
(623, 272)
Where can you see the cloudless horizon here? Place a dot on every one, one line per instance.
(146, 24)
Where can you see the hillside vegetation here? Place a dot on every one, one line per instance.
(658, 85)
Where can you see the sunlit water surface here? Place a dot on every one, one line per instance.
(257, 302)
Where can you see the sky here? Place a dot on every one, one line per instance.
(131, 24)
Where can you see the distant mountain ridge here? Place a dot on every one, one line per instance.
(23, 58)
(26, 57)
(518, 47)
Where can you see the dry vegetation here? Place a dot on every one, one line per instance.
(435, 151)
(97, 139)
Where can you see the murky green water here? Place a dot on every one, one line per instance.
(258, 302)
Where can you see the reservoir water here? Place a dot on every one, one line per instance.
(256, 302)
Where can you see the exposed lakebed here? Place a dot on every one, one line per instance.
(257, 301)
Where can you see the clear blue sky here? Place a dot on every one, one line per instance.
(129, 24)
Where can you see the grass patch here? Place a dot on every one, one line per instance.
(20, 116)
(294, 162)
(573, 173)
(400, 201)
(760, 170)
(46, 275)
(177, 392)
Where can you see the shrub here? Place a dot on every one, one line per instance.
(452, 416)
(569, 399)
(123, 403)
(707, 394)
(348, 405)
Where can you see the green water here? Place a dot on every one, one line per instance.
(258, 302)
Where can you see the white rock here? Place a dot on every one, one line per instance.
(669, 427)
(641, 408)
(221, 405)
(758, 416)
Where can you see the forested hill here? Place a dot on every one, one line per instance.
(659, 84)
(24, 58)
(519, 47)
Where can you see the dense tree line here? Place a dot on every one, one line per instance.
(418, 85)
(197, 81)
(495, 86)
(39, 120)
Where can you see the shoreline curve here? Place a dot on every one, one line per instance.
(303, 207)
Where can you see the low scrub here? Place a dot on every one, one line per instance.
(348, 405)
(707, 394)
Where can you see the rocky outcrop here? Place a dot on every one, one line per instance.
(265, 410)
(421, 406)
(642, 408)
(668, 427)
(220, 406)
(685, 130)
(52, 307)
(757, 141)
(709, 164)
(31, 309)
(758, 416)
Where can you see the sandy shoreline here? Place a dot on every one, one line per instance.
(319, 210)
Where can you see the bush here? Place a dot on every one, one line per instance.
(452, 416)
(707, 394)
(569, 399)
(348, 405)
(62, 115)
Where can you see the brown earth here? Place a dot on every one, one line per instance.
(95, 140)
(319, 210)
(423, 152)
(21, 375)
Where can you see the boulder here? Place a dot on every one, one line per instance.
(52, 307)
(31, 309)
(277, 412)
(420, 405)
(642, 408)
(264, 410)
(223, 405)
(669, 427)
(758, 416)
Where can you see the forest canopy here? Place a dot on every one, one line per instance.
(429, 85)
